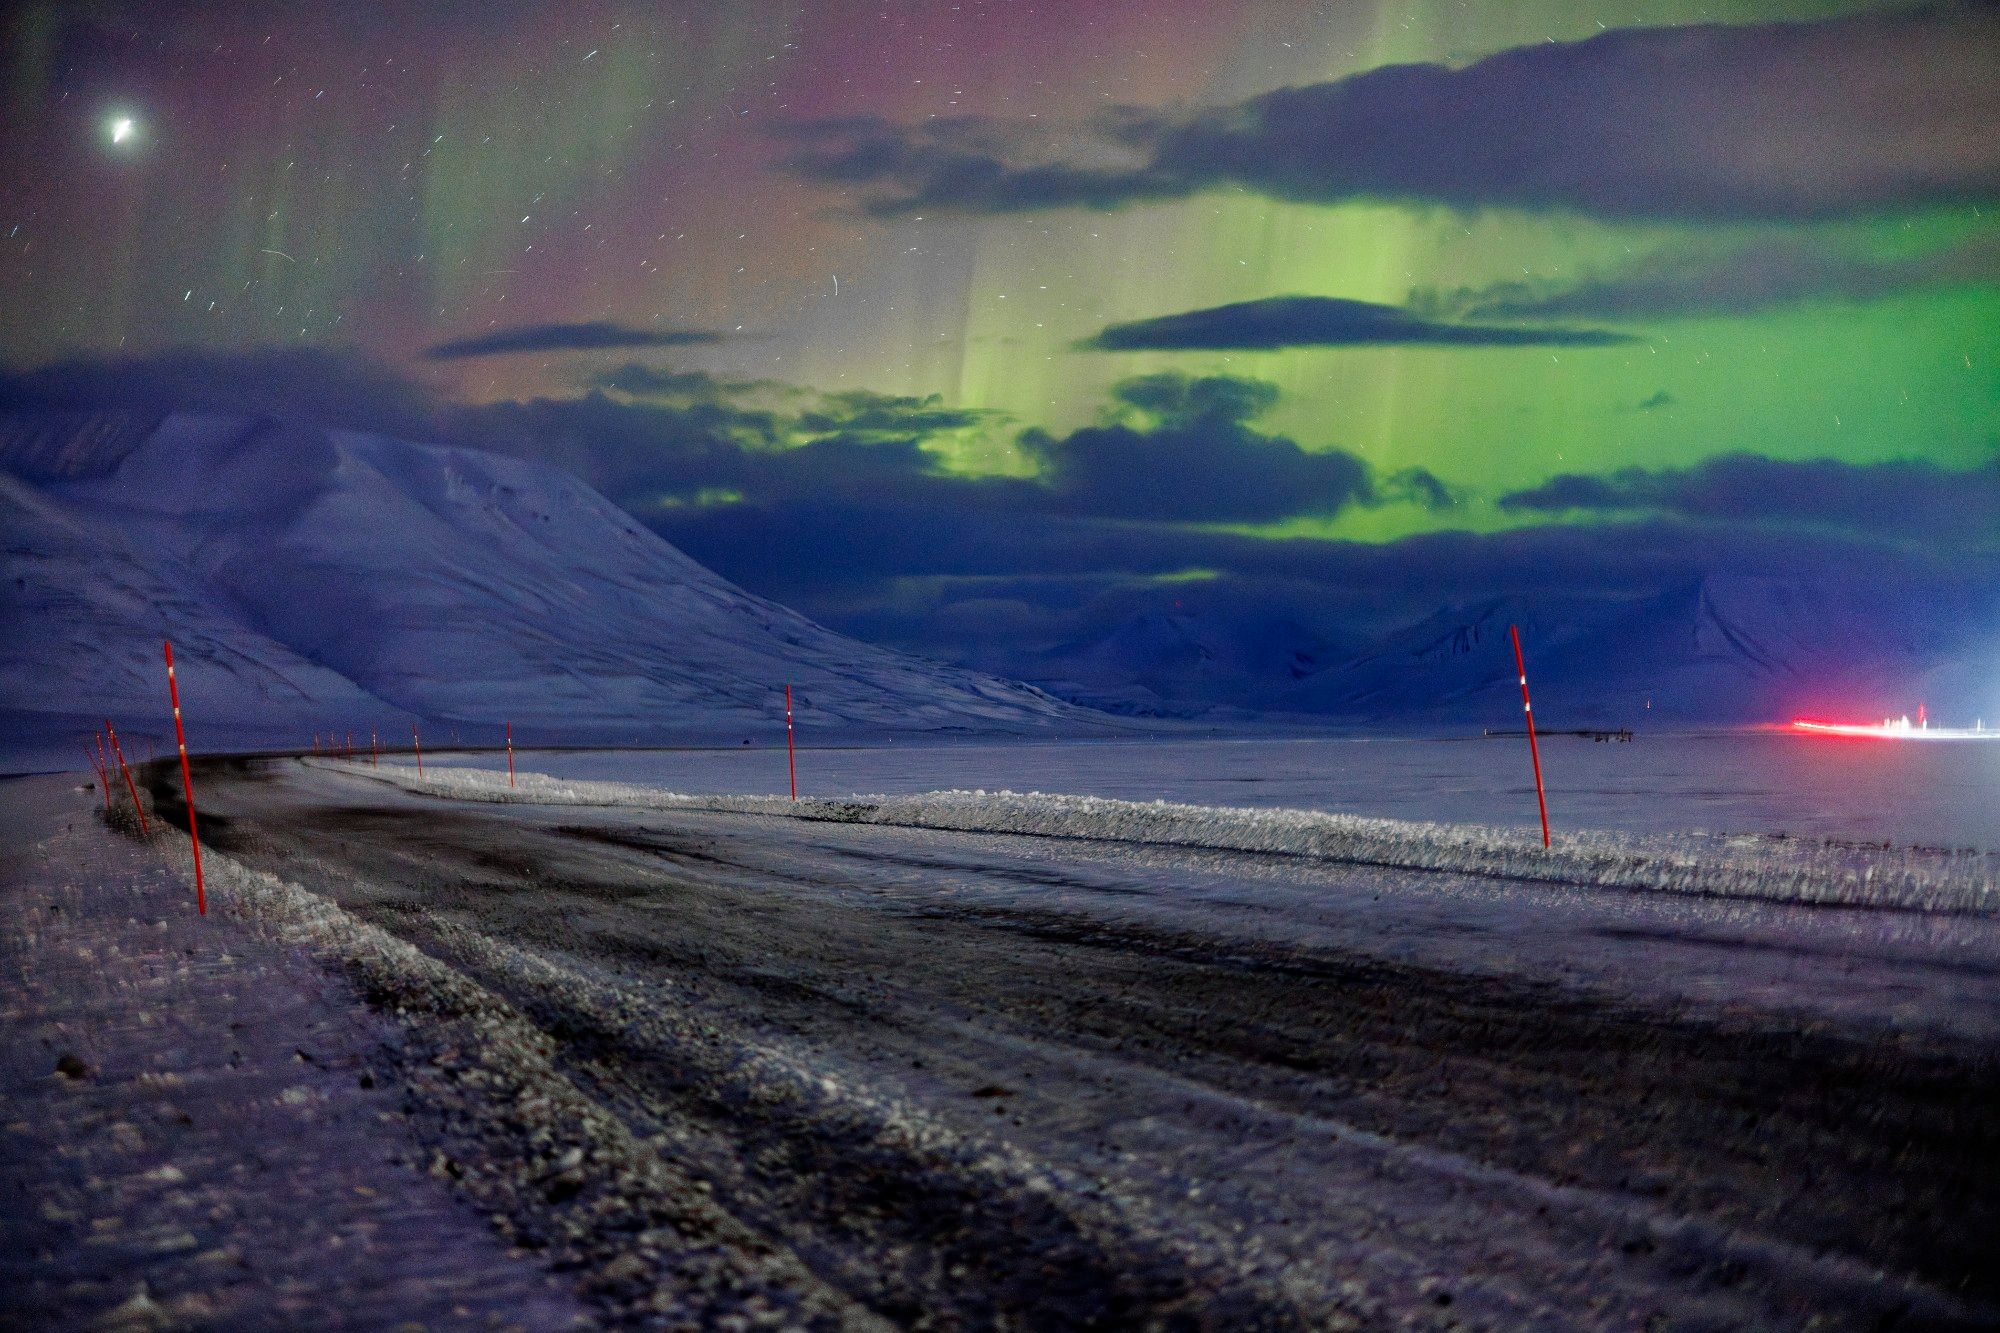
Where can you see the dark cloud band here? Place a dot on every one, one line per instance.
(1693, 280)
(1823, 119)
(1172, 450)
(593, 336)
(1324, 321)
(1906, 497)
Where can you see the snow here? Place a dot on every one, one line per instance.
(659, 1247)
(1717, 648)
(957, 1009)
(1792, 871)
(1769, 783)
(222, 1147)
(321, 580)
(1088, 1052)
(1713, 647)
(1177, 664)
(83, 618)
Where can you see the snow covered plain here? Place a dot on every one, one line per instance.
(1048, 1062)
(1781, 870)
(1767, 784)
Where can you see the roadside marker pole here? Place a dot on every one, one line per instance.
(1534, 751)
(418, 746)
(187, 783)
(510, 754)
(349, 754)
(374, 751)
(130, 786)
(791, 755)
(95, 767)
(104, 770)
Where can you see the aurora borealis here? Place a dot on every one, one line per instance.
(955, 321)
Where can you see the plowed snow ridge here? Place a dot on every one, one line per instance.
(1789, 870)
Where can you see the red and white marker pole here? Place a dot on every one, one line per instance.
(187, 783)
(1534, 751)
(131, 787)
(418, 746)
(104, 770)
(791, 755)
(95, 766)
(510, 754)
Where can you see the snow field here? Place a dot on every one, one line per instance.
(1792, 871)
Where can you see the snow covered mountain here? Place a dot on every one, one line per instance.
(1169, 664)
(327, 580)
(1723, 648)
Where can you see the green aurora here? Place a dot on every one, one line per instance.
(386, 186)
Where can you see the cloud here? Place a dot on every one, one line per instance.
(889, 566)
(593, 336)
(687, 385)
(1421, 486)
(1906, 498)
(865, 416)
(1857, 114)
(1703, 280)
(1189, 454)
(1324, 321)
(842, 505)
(1170, 449)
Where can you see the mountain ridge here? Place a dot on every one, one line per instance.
(346, 579)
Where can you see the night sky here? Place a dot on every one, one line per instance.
(962, 324)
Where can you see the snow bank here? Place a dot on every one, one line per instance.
(643, 1235)
(1789, 870)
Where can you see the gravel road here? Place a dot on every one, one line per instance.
(984, 1081)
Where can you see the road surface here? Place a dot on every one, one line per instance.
(989, 1081)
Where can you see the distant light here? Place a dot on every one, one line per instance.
(1897, 729)
(122, 128)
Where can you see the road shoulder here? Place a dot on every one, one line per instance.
(197, 1124)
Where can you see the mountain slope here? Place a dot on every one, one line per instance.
(329, 580)
(1159, 662)
(81, 619)
(1722, 648)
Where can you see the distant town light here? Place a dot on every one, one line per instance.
(1900, 729)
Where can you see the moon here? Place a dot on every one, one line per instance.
(122, 128)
